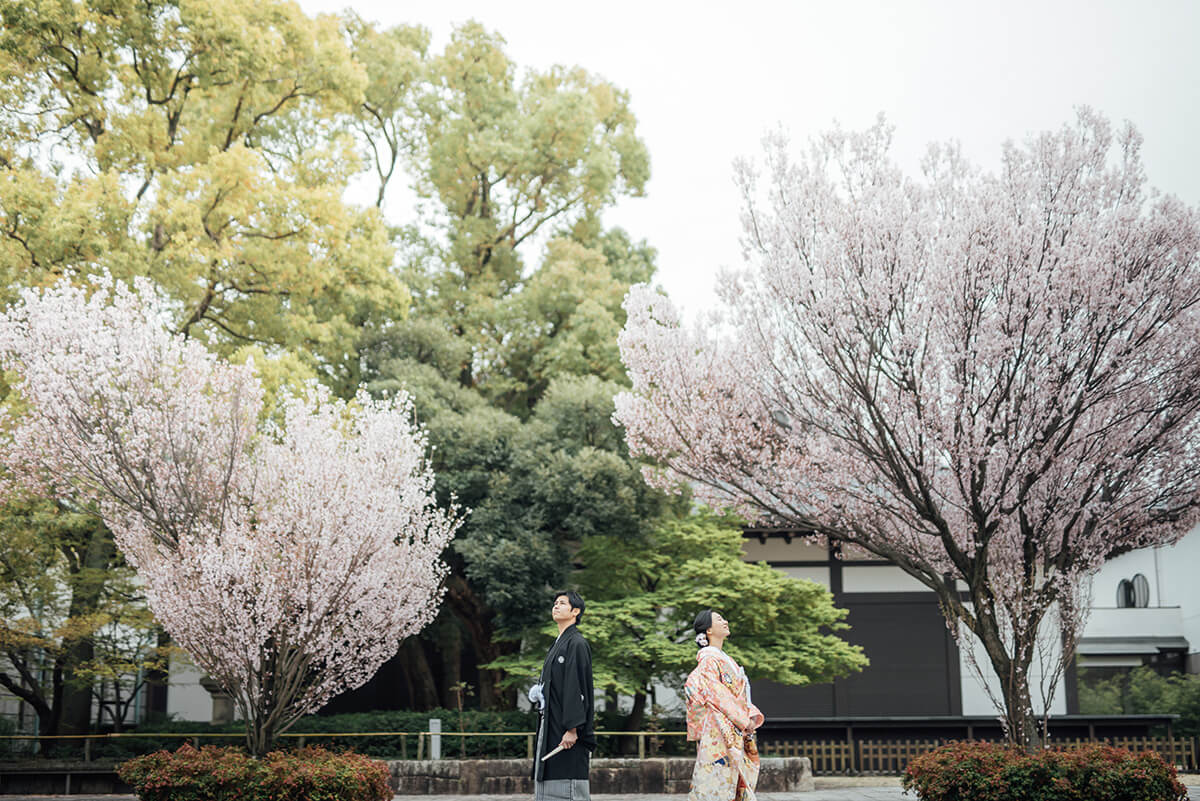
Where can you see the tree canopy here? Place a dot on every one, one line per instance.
(642, 598)
(215, 149)
(289, 557)
(991, 380)
(204, 145)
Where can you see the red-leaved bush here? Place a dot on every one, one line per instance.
(215, 773)
(995, 772)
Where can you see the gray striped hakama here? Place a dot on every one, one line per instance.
(562, 790)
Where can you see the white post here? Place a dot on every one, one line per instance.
(435, 738)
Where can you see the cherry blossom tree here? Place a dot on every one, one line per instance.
(990, 379)
(288, 554)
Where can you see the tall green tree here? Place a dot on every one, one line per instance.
(501, 160)
(510, 342)
(537, 489)
(206, 145)
(643, 596)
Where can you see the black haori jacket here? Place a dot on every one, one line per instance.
(569, 704)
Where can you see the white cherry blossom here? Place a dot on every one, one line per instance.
(289, 559)
(989, 379)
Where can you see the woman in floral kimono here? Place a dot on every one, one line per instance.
(721, 717)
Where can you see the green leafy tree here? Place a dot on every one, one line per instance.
(512, 365)
(396, 64)
(203, 144)
(70, 614)
(642, 599)
(538, 488)
(499, 159)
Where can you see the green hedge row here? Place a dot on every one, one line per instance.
(382, 747)
(994, 772)
(314, 726)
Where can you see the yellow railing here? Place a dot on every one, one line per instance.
(423, 737)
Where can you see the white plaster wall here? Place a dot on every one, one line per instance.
(1125, 566)
(1180, 579)
(820, 575)
(975, 698)
(186, 699)
(1174, 576)
(879, 578)
(1153, 621)
(777, 549)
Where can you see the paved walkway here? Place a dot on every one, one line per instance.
(841, 794)
(820, 794)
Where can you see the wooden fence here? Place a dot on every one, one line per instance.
(828, 756)
(892, 756)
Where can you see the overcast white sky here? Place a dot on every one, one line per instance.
(708, 79)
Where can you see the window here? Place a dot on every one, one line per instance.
(1134, 592)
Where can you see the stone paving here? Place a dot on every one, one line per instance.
(839, 793)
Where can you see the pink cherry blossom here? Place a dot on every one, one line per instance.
(990, 379)
(288, 556)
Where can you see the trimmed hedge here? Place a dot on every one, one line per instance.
(315, 725)
(215, 773)
(994, 772)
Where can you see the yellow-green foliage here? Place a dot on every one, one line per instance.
(202, 143)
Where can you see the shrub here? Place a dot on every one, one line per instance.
(314, 774)
(993, 772)
(214, 773)
(316, 730)
(1143, 691)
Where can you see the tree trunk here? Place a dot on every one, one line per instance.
(1020, 721)
(156, 684)
(88, 566)
(635, 721)
(259, 737)
(76, 714)
(419, 673)
(26, 687)
(29, 692)
(50, 725)
(1012, 671)
(476, 618)
(451, 654)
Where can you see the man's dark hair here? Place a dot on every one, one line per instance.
(574, 599)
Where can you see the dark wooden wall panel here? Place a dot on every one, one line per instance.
(914, 664)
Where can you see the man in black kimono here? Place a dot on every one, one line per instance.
(564, 694)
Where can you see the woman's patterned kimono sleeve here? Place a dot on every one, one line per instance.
(720, 697)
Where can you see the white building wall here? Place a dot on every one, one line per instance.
(1179, 567)
(777, 549)
(818, 575)
(186, 699)
(1145, 561)
(975, 683)
(879, 578)
(1173, 573)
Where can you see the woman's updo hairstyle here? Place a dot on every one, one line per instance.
(702, 625)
